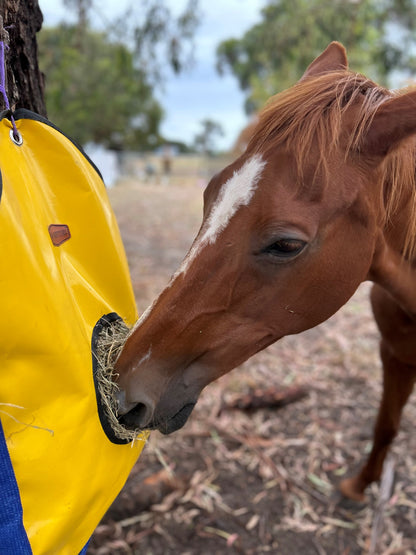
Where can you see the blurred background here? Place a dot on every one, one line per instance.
(162, 93)
(140, 83)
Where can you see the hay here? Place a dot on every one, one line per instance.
(25, 425)
(110, 342)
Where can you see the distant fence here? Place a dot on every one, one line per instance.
(155, 168)
(180, 167)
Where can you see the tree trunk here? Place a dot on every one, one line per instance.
(25, 83)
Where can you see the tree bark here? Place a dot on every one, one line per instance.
(22, 19)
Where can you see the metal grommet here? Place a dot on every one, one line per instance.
(16, 137)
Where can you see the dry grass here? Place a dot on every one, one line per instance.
(262, 481)
(110, 342)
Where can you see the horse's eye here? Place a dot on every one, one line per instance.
(285, 248)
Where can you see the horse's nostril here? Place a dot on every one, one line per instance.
(123, 406)
(138, 417)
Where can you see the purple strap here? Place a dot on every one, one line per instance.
(3, 87)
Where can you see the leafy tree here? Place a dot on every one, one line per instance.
(161, 39)
(273, 54)
(99, 85)
(205, 140)
(100, 96)
(82, 8)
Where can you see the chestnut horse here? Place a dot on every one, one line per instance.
(322, 199)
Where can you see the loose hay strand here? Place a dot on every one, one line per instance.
(110, 342)
(18, 421)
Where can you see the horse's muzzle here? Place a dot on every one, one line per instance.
(143, 417)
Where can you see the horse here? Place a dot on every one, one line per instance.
(322, 199)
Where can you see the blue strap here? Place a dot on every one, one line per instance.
(84, 551)
(13, 537)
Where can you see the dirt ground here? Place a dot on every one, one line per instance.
(259, 480)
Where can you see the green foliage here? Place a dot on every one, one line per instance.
(99, 86)
(97, 93)
(273, 54)
(162, 40)
(205, 140)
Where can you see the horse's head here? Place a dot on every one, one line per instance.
(289, 231)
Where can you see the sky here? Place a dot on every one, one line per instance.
(200, 93)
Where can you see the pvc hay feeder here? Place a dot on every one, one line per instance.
(64, 285)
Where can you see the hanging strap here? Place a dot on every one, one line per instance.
(4, 40)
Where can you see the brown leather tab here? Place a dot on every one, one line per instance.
(59, 233)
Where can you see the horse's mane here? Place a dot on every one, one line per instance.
(311, 114)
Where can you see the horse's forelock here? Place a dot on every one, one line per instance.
(311, 116)
(311, 112)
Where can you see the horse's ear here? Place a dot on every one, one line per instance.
(333, 58)
(393, 122)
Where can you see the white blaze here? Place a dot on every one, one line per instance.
(235, 193)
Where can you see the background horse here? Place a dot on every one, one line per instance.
(322, 199)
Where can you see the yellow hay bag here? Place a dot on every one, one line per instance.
(63, 269)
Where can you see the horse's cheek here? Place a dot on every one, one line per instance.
(326, 281)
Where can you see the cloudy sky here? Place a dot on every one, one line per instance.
(200, 93)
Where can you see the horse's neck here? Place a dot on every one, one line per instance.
(389, 269)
